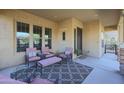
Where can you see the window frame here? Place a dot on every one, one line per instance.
(41, 33)
(18, 49)
(49, 37)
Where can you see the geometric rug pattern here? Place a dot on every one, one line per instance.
(66, 73)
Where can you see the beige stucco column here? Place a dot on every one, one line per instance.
(121, 29)
(43, 36)
(31, 35)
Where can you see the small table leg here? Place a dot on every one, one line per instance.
(36, 66)
(40, 67)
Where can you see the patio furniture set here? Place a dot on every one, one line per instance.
(42, 59)
(46, 57)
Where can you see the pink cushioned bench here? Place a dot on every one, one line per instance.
(49, 61)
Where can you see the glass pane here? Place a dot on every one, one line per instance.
(48, 43)
(37, 33)
(37, 43)
(48, 33)
(36, 36)
(22, 41)
(48, 37)
(23, 28)
(18, 27)
(27, 28)
(34, 29)
(22, 36)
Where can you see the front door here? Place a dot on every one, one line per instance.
(79, 40)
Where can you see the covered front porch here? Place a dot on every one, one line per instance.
(35, 29)
(103, 71)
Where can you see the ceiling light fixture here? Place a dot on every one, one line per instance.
(55, 16)
(96, 15)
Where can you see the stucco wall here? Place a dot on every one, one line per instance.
(9, 56)
(68, 26)
(91, 35)
(65, 26)
(92, 42)
(8, 18)
(121, 30)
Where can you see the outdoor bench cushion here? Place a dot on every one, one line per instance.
(50, 55)
(34, 58)
(49, 61)
(62, 56)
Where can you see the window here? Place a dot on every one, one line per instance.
(22, 36)
(63, 35)
(48, 37)
(37, 37)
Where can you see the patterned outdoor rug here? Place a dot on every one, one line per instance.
(67, 72)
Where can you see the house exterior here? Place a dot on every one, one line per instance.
(62, 34)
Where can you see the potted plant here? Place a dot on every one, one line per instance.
(78, 52)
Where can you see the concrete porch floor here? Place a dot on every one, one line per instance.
(106, 70)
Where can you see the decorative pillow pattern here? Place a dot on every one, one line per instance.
(67, 52)
(34, 54)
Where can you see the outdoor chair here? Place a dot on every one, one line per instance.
(46, 53)
(31, 55)
(67, 54)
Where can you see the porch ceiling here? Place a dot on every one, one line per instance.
(108, 17)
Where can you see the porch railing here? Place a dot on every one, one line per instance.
(111, 48)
